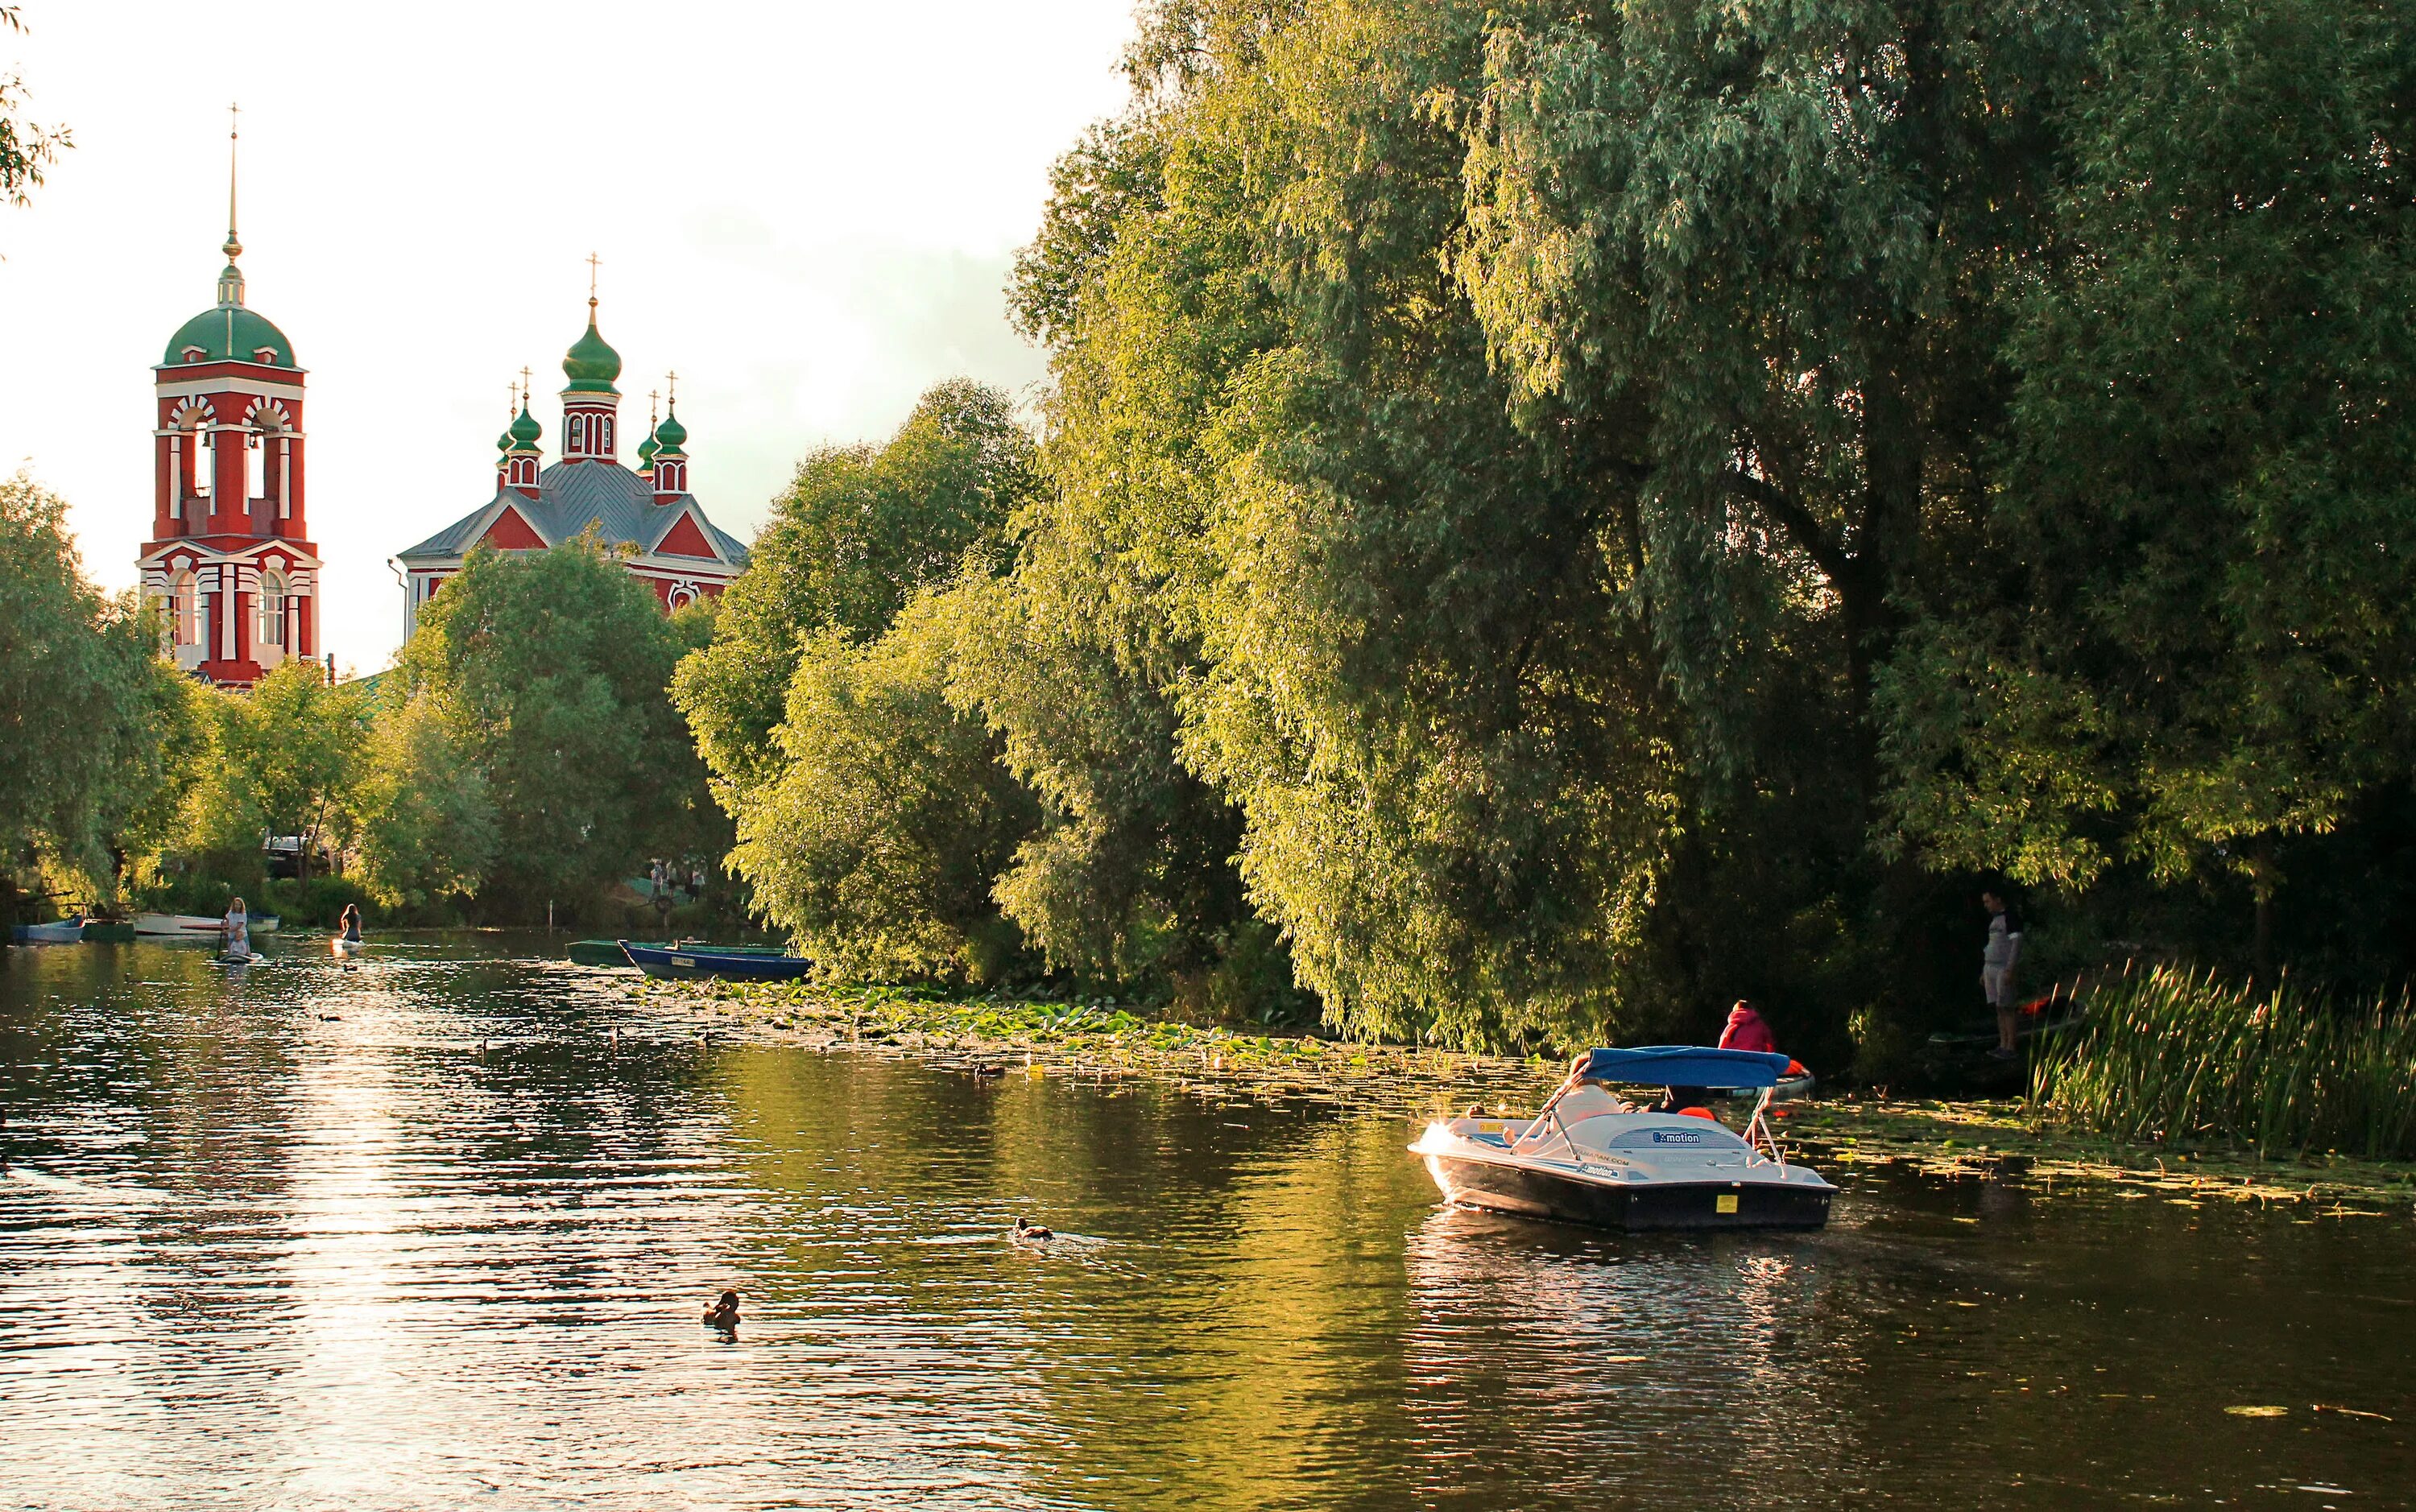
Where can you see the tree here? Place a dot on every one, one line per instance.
(876, 843)
(287, 754)
(427, 828)
(25, 149)
(549, 671)
(98, 737)
(2204, 603)
(859, 531)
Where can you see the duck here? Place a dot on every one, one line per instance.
(724, 1313)
(1025, 1229)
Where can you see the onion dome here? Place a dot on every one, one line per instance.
(671, 435)
(646, 450)
(229, 333)
(590, 364)
(504, 441)
(524, 431)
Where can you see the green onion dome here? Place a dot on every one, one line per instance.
(504, 441)
(525, 430)
(646, 450)
(590, 364)
(671, 435)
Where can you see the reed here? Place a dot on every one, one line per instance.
(2166, 1054)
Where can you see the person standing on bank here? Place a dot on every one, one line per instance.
(1997, 960)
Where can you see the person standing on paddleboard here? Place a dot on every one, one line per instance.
(235, 931)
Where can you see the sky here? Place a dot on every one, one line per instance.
(808, 210)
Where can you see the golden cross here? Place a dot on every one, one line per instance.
(593, 261)
(233, 113)
(673, 380)
(524, 388)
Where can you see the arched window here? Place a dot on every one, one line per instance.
(255, 466)
(578, 434)
(205, 458)
(272, 609)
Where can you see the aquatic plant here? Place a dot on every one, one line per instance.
(2168, 1054)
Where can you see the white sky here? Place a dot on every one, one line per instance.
(810, 215)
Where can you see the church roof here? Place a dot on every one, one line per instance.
(229, 332)
(571, 496)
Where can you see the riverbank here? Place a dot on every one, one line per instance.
(2005, 1139)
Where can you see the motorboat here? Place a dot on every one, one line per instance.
(194, 926)
(1591, 1157)
(736, 965)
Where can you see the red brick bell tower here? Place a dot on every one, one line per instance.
(230, 563)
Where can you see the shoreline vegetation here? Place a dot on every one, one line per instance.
(1103, 1041)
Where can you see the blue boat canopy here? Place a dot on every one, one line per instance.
(1687, 1066)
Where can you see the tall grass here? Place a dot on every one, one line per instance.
(2169, 1054)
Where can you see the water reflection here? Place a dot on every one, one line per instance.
(427, 1231)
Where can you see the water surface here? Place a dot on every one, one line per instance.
(431, 1233)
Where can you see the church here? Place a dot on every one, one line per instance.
(230, 564)
(647, 514)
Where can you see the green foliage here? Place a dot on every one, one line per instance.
(858, 532)
(25, 149)
(284, 761)
(547, 672)
(2208, 517)
(876, 844)
(99, 739)
(2175, 1056)
(427, 828)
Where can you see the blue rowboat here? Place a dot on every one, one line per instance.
(670, 961)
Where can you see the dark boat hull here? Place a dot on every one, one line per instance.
(656, 962)
(1506, 1188)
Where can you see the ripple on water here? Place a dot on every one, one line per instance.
(417, 1234)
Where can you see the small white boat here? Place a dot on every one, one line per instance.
(66, 931)
(1589, 1157)
(194, 926)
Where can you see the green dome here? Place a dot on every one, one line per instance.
(504, 441)
(525, 430)
(590, 364)
(646, 450)
(671, 435)
(232, 333)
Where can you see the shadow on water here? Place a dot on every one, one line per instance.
(440, 1228)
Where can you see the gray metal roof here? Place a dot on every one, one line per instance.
(570, 496)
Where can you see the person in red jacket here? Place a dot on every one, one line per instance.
(1746, 1031)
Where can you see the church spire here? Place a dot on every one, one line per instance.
(230, 281)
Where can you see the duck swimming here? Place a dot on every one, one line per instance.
(724, 1313)
(1025, 1229)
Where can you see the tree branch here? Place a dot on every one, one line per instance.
(1797, 521)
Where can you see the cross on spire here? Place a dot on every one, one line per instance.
(673, 380)
(592, 263)
(525, 376)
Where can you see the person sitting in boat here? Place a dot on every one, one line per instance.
(1580, 1096)
(1746, 1030)
(349, 925)
(235, 930)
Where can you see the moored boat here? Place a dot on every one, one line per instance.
(737, 966)
(1589, 1157)
(194, 926)
(66, 931)
(609, 952)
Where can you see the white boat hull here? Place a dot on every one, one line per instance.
(1631, 1171)
(194, 926)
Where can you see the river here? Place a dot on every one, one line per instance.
(429, 1233)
